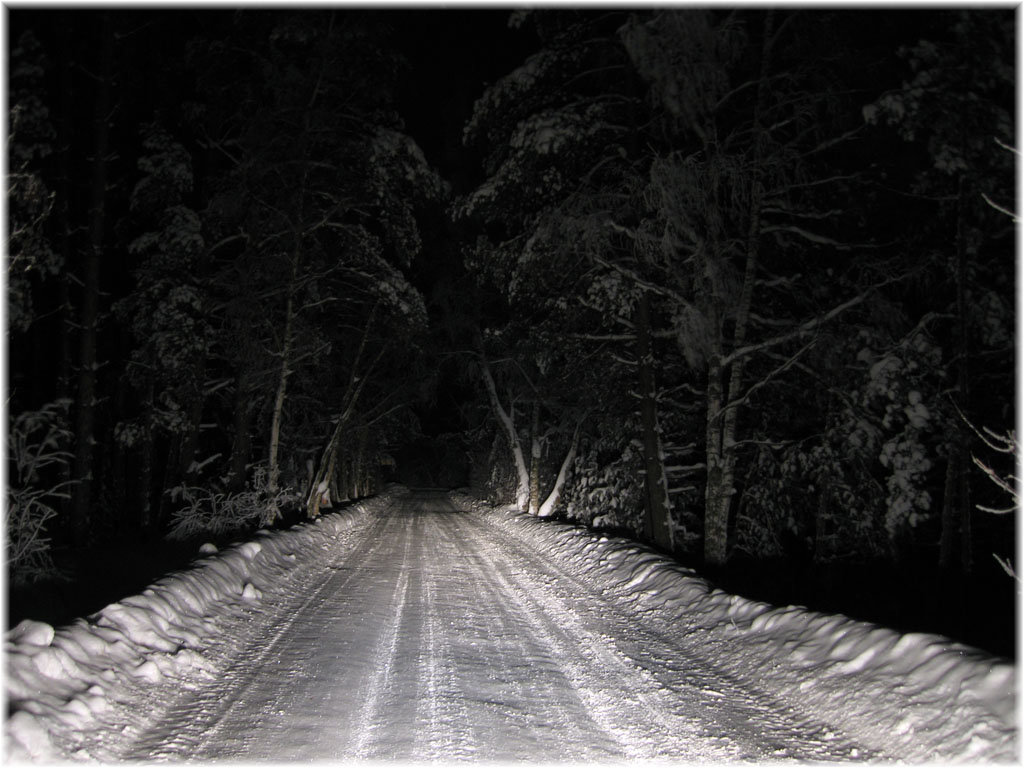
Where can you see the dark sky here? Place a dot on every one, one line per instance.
(452, 55)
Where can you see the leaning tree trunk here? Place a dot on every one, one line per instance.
(548, 507)
(658, 525)
(321, 484)
(356, 382)
(507, 422)
(85, 423)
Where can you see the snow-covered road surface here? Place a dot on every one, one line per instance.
(405, 628)
(438, 637)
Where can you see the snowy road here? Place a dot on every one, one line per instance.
(432, 635)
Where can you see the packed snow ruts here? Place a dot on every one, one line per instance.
(86, 691)
(71, 689)
(918, 696)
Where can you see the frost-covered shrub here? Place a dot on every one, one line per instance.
(501, 480)
(893, 392)
(861, 481)
(606, 490)
(769, 511)
(37, 459)
(820, 496)
(209, 512)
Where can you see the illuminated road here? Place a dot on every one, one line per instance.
(430, 635)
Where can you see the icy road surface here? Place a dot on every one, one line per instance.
(433, 635)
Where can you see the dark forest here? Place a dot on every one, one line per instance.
(738, 283)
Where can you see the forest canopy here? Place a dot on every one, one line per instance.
(738, 282)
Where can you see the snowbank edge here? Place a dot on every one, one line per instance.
(81, 691)
(914, 696)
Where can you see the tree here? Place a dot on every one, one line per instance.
(955, 105)
(169, 314)
(316, 208)
(548, 128)
(30, 255)
(89, 313)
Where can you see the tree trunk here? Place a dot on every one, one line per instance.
(821, 520)
(956, 506)
(190, 440)
(716, 512)
(63, 194)
(506, 420)
(273, 468)
(548, 507)
(963, 388)
(321, 483)
(241, 442)
(146, 465)
(361, 475)
(947, 537)
(723, 408)
(658, 525)
(356, 381)
(535, 450)
(85, 424)
(341, 463)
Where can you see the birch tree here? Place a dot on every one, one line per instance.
(548, 128)
(732, 204)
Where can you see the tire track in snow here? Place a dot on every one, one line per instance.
(446, 736)
(369, 714)
(558, 696)
(190, 727)
(616, 698)
(434, 635)
(690, 683)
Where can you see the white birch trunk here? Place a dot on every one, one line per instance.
(548, 507)
(515, 445)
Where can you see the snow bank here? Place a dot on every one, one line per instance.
(113, 669)
(918, 697)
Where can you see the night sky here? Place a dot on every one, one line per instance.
(756, 253)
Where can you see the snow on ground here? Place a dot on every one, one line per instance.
(481, 631)
(64, 685)
(922, 696)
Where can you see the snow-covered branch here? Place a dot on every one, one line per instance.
(645, 284)
(812, 237)
(807, 327)
(1006, 444)
(764, 380)
(1001, 209)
